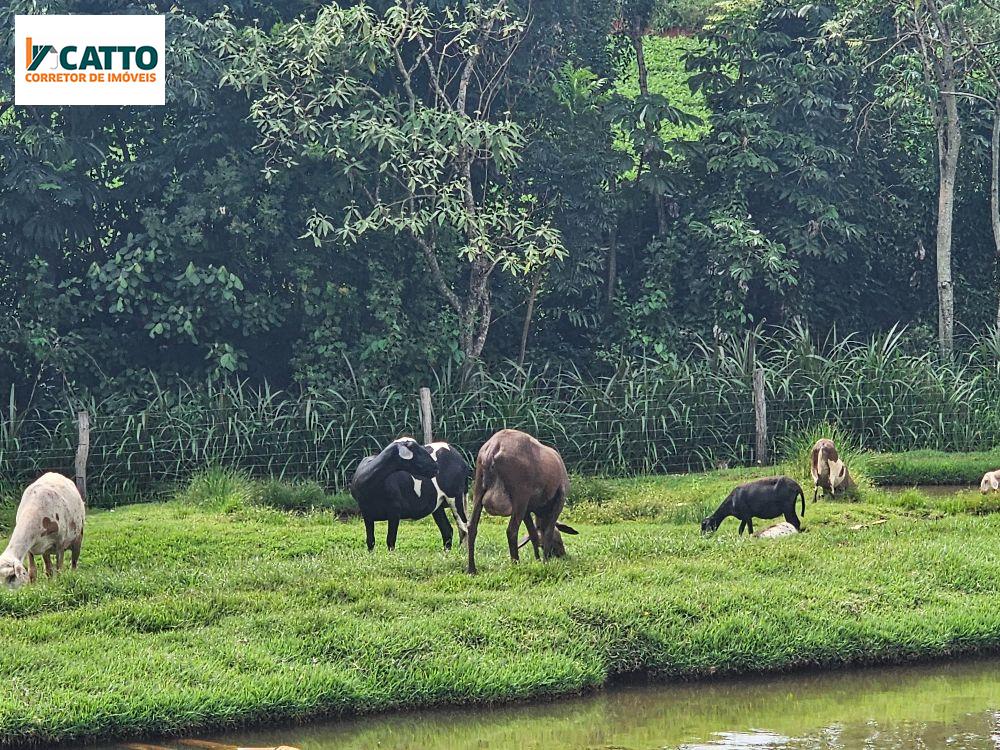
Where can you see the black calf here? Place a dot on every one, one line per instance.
(762, 498)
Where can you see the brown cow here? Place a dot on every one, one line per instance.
(517, 476)
(828, 471)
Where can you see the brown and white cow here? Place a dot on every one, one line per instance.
(829, 473)
(49, 521)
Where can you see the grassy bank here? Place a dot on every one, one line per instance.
(929, 467)
(192, 614)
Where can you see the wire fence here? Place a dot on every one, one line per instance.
(610, 429)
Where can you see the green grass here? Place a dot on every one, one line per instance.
(930, 467)
(195, 614)
(668, 76)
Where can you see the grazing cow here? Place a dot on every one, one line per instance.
(762, 498)
(517, 477)
(49, 520)
(990, 481)
(411, 481)
(829, 473)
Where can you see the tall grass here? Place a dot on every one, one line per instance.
(648, 416)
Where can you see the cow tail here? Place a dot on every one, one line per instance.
(485, 478)
(803, 496)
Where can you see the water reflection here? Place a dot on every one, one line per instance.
(941, 707)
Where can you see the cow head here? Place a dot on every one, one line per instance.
(414, 458)
(709, 524)
(13, 574)
(990, 482)
(558, 548)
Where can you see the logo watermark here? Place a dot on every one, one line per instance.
(88, 60)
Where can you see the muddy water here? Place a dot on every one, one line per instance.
(953, 705)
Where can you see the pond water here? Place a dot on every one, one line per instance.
(951, 705)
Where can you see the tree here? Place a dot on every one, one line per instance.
(941, 35)
(411, 106)
(780, 209)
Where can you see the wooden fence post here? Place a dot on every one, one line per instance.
(426, 415)
(82, 452)
(760, 417)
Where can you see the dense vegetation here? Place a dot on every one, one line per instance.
(652, 416)
(286, 615)
(312, 208)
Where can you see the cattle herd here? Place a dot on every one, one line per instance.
(519, 478)
(515, 477)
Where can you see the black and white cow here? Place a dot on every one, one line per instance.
(397, 484)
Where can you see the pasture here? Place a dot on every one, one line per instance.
(212, 610)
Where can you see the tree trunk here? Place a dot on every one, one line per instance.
(937, 48)
(635, 36)
(475, 316)
(526, 328)
(612, 280)
(995, 184)
(949, 146)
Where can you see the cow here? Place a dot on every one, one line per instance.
(762, 498)
(412, 481)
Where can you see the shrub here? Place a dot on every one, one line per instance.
(221, 489)
(583, 489)
(298, 496)
(304, 496)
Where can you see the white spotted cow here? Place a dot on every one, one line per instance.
(393, 486)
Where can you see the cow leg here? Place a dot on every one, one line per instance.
(792, 518)
(32, 570)
(370, 533)
(47, 557)
(59, 559)
(513, 527)
(461, 520)
(477, 512)
(750, 526)
(743, 525)
(529, 523)
(441, 519)
(390, 537)
(815, 492)
(75, 550)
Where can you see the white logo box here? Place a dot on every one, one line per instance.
(91, 76)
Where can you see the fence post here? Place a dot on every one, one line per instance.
(760, 416)
(82, 452)
(426, 415)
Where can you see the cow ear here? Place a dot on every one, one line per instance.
(405, 453)
(994, 482)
